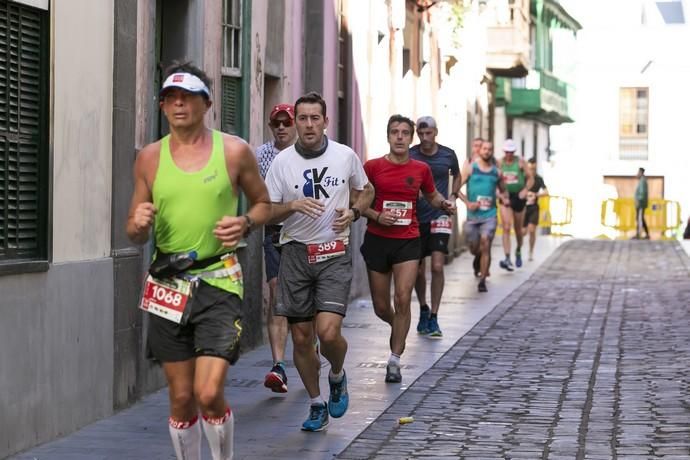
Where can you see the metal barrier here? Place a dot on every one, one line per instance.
(661, 215)
(555, 212)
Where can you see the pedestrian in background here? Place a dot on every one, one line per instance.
(641, 201)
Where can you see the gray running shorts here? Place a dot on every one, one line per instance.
(305, 289)
(475, 228)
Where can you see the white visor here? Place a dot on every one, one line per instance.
(187, 82)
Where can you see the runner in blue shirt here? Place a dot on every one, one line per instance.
(435, 226)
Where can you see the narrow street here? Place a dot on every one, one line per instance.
(587, 359)
(581, 355)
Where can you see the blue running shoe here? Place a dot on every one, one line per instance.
(434, 330)
(423, 324)
(338, 399)
(518, 258)
(318, 418)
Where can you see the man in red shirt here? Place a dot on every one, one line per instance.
(391, 247)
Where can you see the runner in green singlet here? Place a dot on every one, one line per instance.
(188, 185)
(513, 214)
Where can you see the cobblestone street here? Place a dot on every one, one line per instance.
(587, 359)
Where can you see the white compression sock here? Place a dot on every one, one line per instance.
(220, 433)
(394, 359)
(336, 378)
(186, 438)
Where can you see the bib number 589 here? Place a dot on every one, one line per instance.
(327, 247)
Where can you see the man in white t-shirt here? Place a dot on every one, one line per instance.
(312, 185)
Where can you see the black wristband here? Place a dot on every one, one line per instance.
(356, 212)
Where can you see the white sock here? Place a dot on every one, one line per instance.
(394, 359)
(317, 400)
(335, 378)
(220, 433)
(186, 438)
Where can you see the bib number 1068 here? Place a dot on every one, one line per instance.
(166, 298)
(163, 295)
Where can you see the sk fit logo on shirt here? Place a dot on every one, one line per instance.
(316, 182)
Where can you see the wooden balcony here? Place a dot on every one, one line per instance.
(508, 41)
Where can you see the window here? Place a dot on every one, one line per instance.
(23, 132)
(633, 125)
(412, 42)
(231, 70)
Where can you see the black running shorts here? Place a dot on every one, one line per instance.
(532, 215)
(213, 328)
(431, 242)
(380, 253)
(517, 204)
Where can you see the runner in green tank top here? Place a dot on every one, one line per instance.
(186, 187)
(513, 214)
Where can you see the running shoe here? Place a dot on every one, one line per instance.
(476, 266)
(423, 324)
(481, 287)
(318, 418)
(506, 265)
(338, 399)
(518, 258)
(276, 379)
(434, 330)
(393, 373)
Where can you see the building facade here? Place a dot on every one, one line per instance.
(632, 81)
(72, 341)
(528, 105)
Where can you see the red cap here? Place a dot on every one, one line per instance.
(287, 108)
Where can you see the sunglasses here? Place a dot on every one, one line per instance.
(276, 123)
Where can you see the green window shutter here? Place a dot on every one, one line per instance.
(230, 105)
(23, 131)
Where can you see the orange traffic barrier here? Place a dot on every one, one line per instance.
(662, 216)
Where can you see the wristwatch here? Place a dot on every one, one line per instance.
(356, 212)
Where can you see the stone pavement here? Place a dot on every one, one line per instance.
(590, 358)
(267, 424)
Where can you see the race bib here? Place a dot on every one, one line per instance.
(166, 298)
(485, 202)
(318, 252)
(531, 198)
(402, 210)
(442, 225)
(511, 177)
